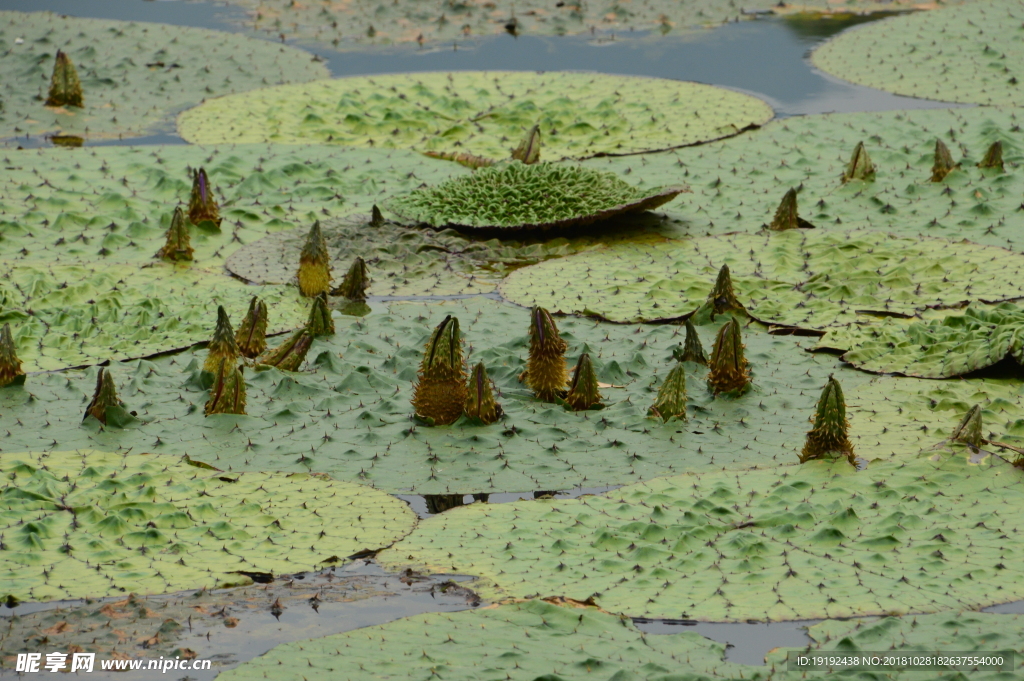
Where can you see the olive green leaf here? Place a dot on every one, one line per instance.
(89, 523)
(474, 112)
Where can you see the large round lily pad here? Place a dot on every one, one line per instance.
(799, 278)
(134, 76)
(484, 113)
(815, 540)
(88, 523)
(970, 53)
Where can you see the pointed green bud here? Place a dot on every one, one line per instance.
(10, 366)
(223, 344)
(65, 88)
(828, 438)
(103, 398)
(860, 166)
(546, 373)
(480, 402)
(179, 242)
(729, 373)
(251, 337)
(671, 400)
(355, 283)
(320, 321)
(968, 430)
(227, 395)
(722, 298)
(202, 205)
(440, 391)
(376, 217)
(692, 350)
(583, 390)
(943, 164)
(314, 264)
(786, 215)
(993, 157)
(528, 150)
(289, 355)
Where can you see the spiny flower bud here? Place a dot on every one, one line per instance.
(179, 242)
(692, 350)
(943, 164)
(376, 217)
(440, 391)
(355, 283)
(251, 337)
(860, 166)
(223, 344)
(320, 321)
(227, 396)
(528, 150)
(671, 400)
(201, 203)
(10, 366)
(729, 372)
(289, 355)
(546, 373)
(968, 430)
(828, 438)
(583, 390)
(722, 299)
(993, 157)
(103, 398)
(480, 402)
(65, 88)
(314, 264)
(786, 215)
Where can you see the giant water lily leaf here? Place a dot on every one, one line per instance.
(348, 411)
(134, 76)
(480, 112)
(529, 640)
(968, 54)
(72, 315)
(116, 202)
(799, 278)
(816, 540)
(88, 523)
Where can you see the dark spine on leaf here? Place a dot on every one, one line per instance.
(583, 390)
(528, 150)
(104, 397)
(10, 365)
(355, 283)
(289, 355)
(223, 344)
(546, 373)
(252, 334)
(786, 216)
(969, 430)
(227, 395)
(693, 351)
(943, 164)
(828, 438)
(321, 323)
(65, 88)
(440, 392)
(314, 264)
(671, 400)
(179, 241)
(860, 166)
(480, 402)
(993, 157)
(202, 206)
(728, 367)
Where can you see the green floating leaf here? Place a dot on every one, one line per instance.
(88, 524)
(136, 76)
(805, 279)
(817, 540)
(475, 112)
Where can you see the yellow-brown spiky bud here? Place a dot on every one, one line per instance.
(692, 350)
(528, 150)
(440, 393)
(251, 337)
(583, 389)
(10, 366)
(355, 283)
(828, 438)
(729, 372)
(314, 264)
(103, 398)
(671, 400)
(786, 215)
(480, 402)
(179, 241)
(993, 157)
(320, 323)
(860, 166)
(546, 373)
(969, 430)
(943, 164)
(289, 355)
(227, 395)
(202, 204)
(223, 344)
(65, 88)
